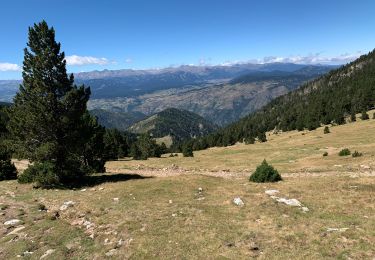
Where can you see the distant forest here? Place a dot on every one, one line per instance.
(329, 99)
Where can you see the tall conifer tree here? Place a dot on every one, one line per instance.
(47, 118)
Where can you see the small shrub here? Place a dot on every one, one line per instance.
(373, 116)
(364, 116)
(325, 154)
(357, 154)
(265, 173)
(344, 152)
(42, 174)
(187, 151)
(171, 155)
(353, 117)
(326, 130)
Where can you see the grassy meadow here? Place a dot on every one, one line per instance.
(133, 213)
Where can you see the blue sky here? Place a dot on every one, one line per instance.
(139, 34)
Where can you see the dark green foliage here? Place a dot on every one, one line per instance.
(187, 151)
(262, 137)
(7, 169)
(43, 174)
(373, 116)
(117, 120)
(356, 154)
(265, 173)
(249, 140)
(353, 117)
(117, 144)
(326, 130)
(344, 152)
(328, 99)
(49, 124)
(146, 147)
(325, 154)
(136, 153)
(364, 115)
(179, 124)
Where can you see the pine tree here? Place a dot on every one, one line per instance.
(46, 119)
(364, 115)
(187, 150)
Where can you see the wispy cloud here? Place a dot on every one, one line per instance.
(5, 66)
(129, 60)
(316, 58)
(76, 60)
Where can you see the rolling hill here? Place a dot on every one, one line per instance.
(176, 124)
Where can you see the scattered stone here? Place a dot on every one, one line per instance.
(365, 167)
(238, 201)
(201, 198)
(26, 253)
(111, 252)
(67, 204)
(230, 244)
(271, 192)
(116, 199)
(174, 215)
(83, 190)
(16, 230)
(120, 243)
(337, 229)
(170, 201)
(107, 242)
(101, 188)
(200, 189)
(12, 222)
(47, 253)
(290, 202)
(337, 165)
(305, 209)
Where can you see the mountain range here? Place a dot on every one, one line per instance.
(220, 94)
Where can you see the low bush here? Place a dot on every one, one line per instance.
(364, 116)
(326, 130)
(325, 154)
(42, 174)
(187, 151)
(265, 173)
(344, 152)
(357, 154)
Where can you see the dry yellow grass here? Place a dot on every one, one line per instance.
(289, 152)
(168, 218)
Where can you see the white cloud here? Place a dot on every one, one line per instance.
(129, 60)
(297, 59)
(85, 60)
(9, 67)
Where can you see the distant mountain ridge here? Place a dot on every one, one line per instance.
(333, 98)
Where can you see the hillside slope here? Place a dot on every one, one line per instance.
(178, 124)
(329, 99)
(118, 120)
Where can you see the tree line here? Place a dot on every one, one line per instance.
(329, 99)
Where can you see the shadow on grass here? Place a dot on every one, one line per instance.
(97, 179)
